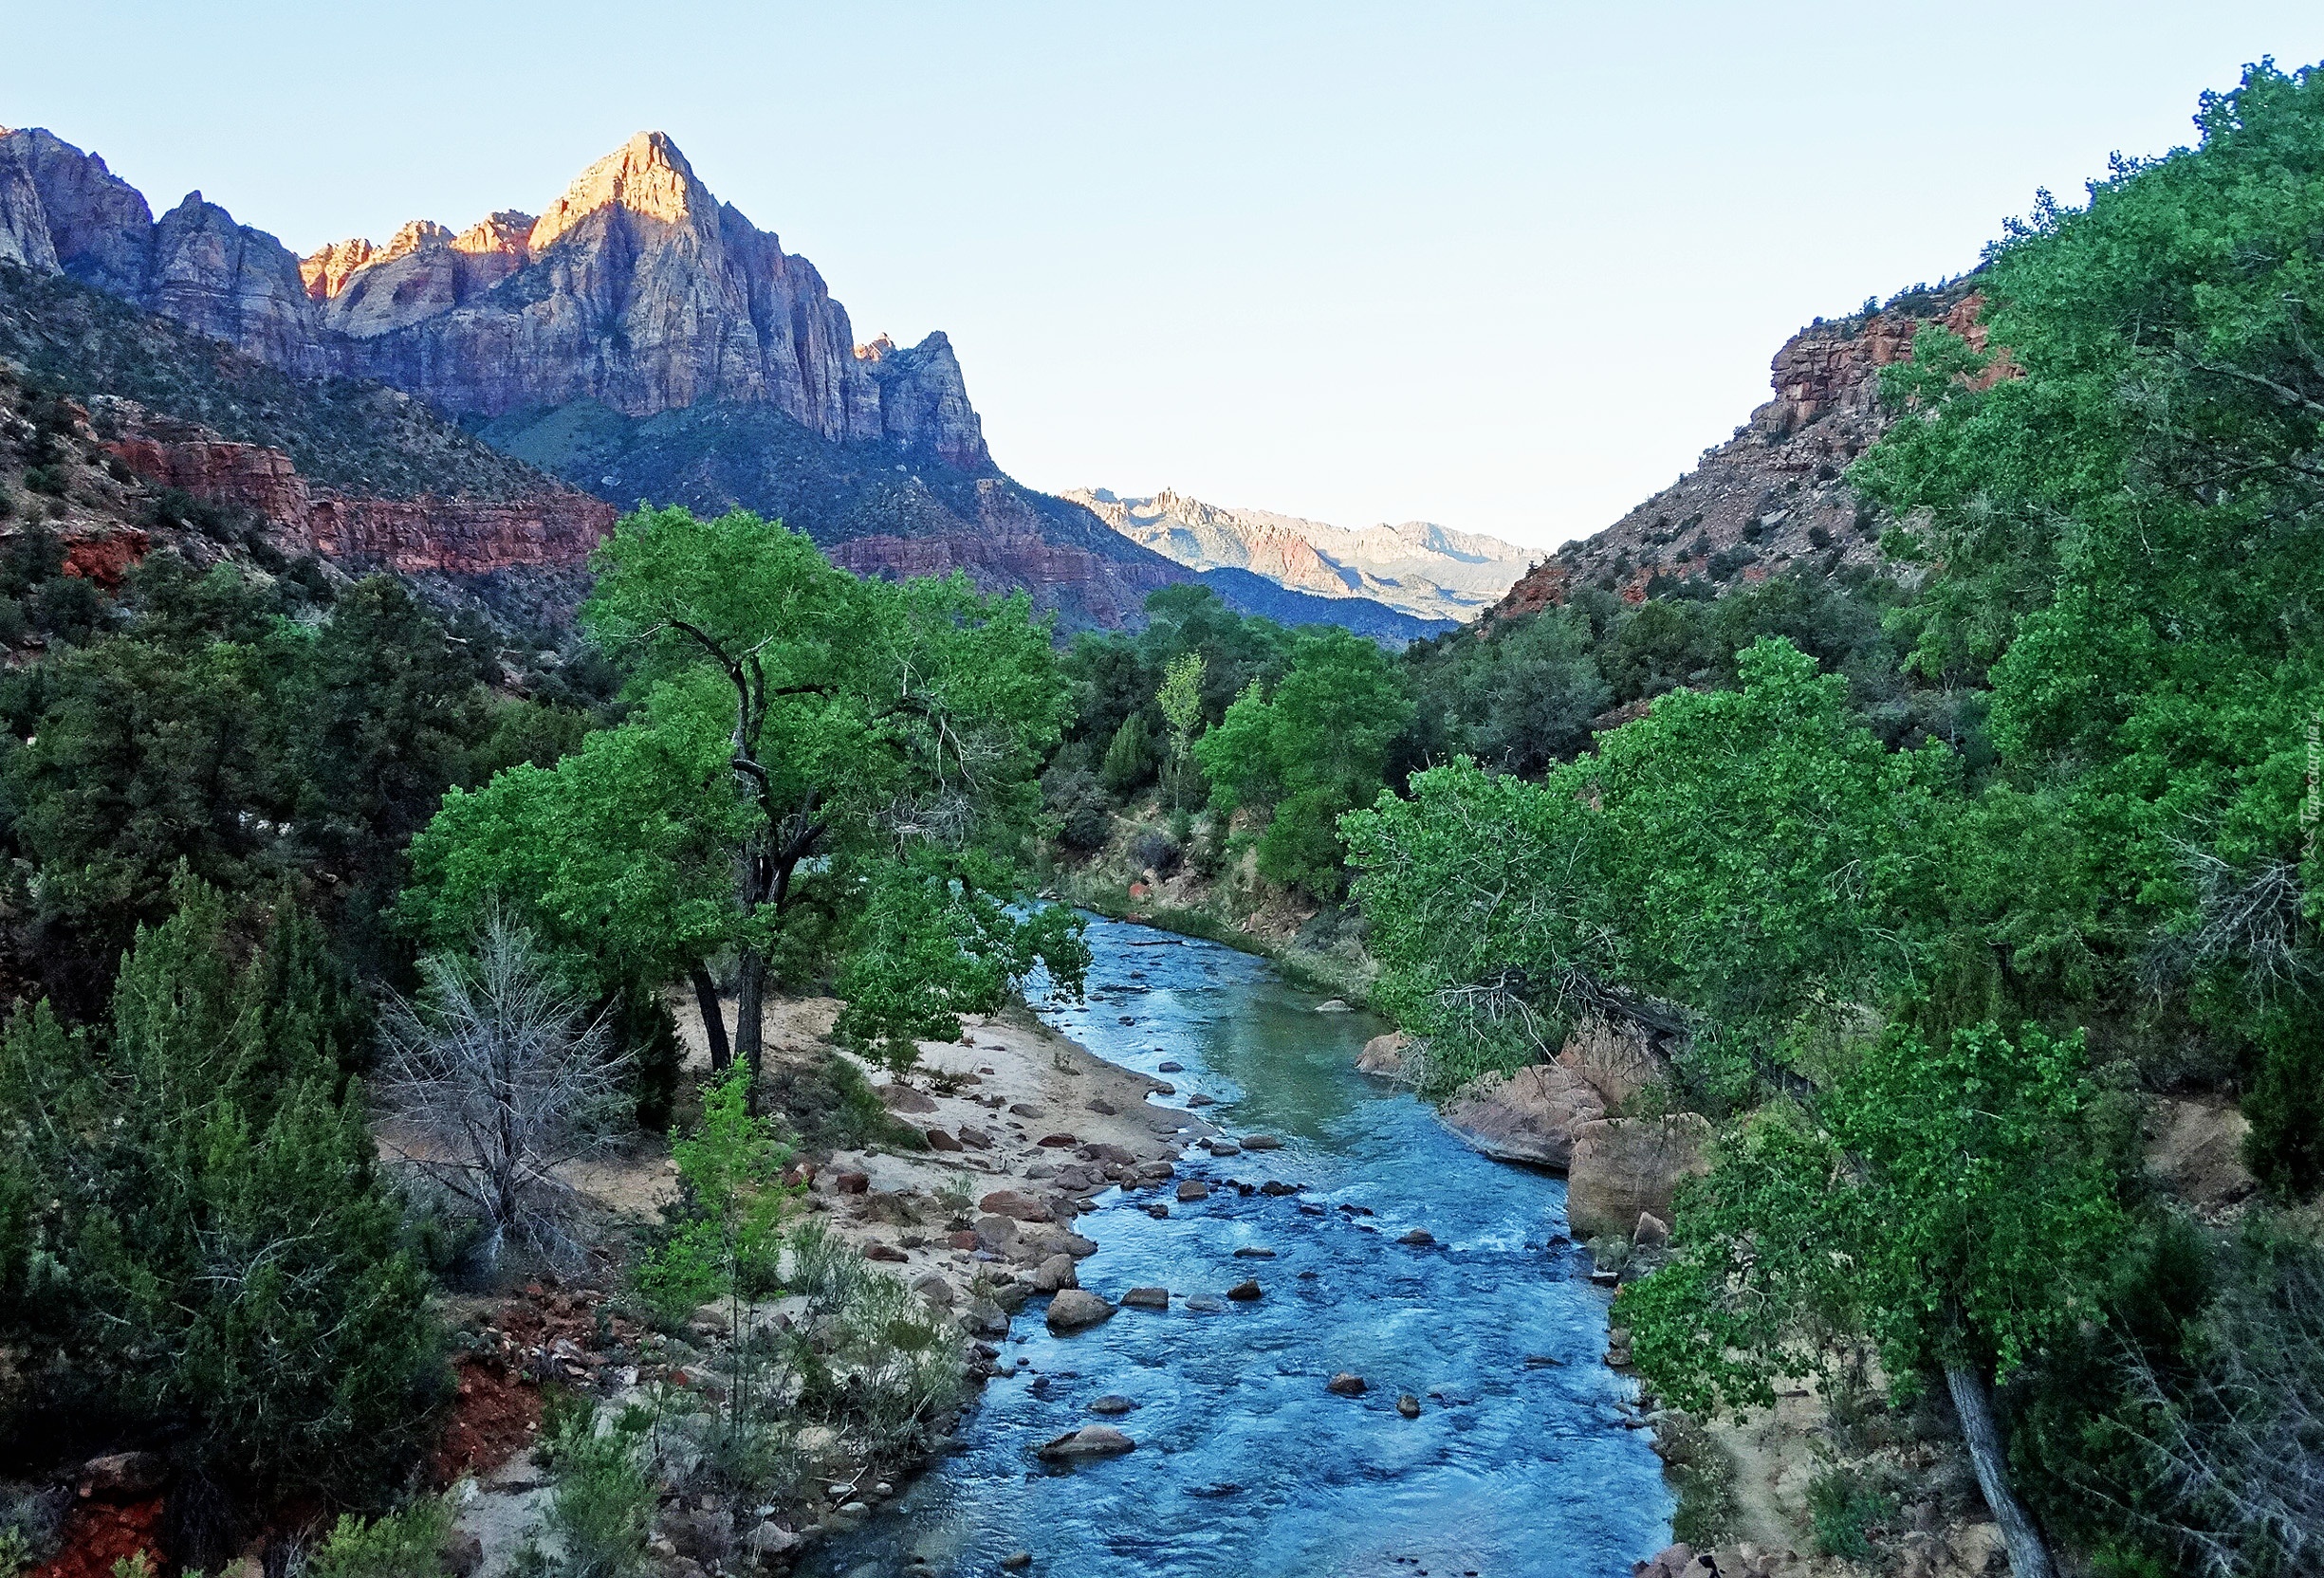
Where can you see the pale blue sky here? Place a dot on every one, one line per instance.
(1505, 267)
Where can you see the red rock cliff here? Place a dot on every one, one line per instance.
(553, 529)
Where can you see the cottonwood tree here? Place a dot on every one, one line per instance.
(1949, 1203)
(802, 734)
(496, 1081)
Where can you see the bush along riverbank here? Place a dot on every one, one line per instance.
(792, 1330)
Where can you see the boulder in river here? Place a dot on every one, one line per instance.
(1382, 1055)
(1528, 1117)
(1254, 1252)
(1223, 1148)
(1147, 1298)
(1055, 1275)
(1623, 1166)
(1173, 1067)
(1091, 1440)
(1075, 1310)
(1113, 1404)
(1346, 1384)
(1193, 1188)
(1246, 1289)
(1409, 1406)
(1198, 1099)
(1261, 1142)
(1419, 1238)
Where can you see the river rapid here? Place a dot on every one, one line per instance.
(1519, 1464)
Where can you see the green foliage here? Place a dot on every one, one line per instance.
(2285, 1147)
(2124, 509)
(818, 765)
(404, 1543)
(197, 1229)
(1754, 857)
(1131, 758)
(725, 1228)
(1844, 1509)
(602, 1509)
(1951, 1203)
(1316, 748)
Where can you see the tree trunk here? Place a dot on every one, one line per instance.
(1973, 1400)
(714, 1016)
(749, 984)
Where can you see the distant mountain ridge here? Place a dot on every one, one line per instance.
(1419, 568)
(641, 340)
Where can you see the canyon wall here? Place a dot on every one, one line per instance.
(1772, 496)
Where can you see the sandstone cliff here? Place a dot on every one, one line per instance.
(1771, 497)
(1420, 568)
(637, 288)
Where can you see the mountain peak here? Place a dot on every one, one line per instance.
(647, 175)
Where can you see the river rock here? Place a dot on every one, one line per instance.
(1012, 1203)
(1246, 1289)
(1618, 1059)
(1622, 1168)
(975, 1138)
(1346, 1384)
(1409, 1406)
(1113, 1404)
(1528, 1116)
(1261, 1142)
(1193, 1188)
(905, 1098)
(1223, 1148)
(1057, 1142)
(1147, 1298)
(1157, 1212)
(1055, 1275)
(1254, 1252)
(1382, 1055)
(996, 1235)
(1419, 1238)
(1075, 1310)
(1017, 1561)
(1091, 1440)
(1172, 1068)
(1334, 1005)
(939, 1140)
(1102, 1151)
(1203, 1304)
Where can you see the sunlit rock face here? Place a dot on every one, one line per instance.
(637, 290)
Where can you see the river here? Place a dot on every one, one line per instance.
(1519, 1464)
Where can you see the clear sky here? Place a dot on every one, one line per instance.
(1509, 267)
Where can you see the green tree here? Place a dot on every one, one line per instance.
(1181, 700)
(201, 1237)
(801, 732)
(1316, 748)
(1952, 1204)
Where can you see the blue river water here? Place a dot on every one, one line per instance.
(1519, 1464)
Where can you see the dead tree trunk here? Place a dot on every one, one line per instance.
(1973, 1400)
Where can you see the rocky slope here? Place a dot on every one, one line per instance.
(1419, 568)
(1772, 496)
(643, 341)
(119, 421)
